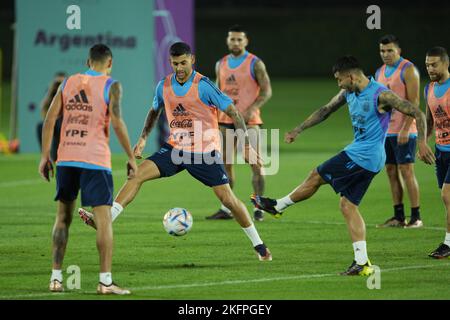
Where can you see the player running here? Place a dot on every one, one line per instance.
(243, 77)
(400, 76)
(87, 102)
(351, 171)
(437, 97)
(191, 102)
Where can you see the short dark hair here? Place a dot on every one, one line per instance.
(438, 52)
(99, 53)
(389, 38)
(237, 28)
(346, 63)
(179, 48)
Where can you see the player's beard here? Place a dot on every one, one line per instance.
(236, 52)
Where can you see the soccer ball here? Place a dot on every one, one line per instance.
(177, 221)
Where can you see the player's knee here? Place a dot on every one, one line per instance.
(391, 170)
(445, 195)
(406, 170)
(346, 206)
(228, 200)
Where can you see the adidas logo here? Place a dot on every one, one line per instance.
(224, 177)
(439, 112)
(231, 79)
(180, 111)
(79, 102)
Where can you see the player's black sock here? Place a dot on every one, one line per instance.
(399, 212)
(415, 214)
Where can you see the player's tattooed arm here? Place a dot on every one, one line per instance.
(388, 99)
(265, 89)
(318, 116)
(54, 111)
(250, 154)
(119, 126)
(150, 121)
(237, 118)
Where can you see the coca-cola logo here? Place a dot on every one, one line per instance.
(185, 123)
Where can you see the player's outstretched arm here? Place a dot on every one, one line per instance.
(45, 166)
(120, 127)
(265, 90)
(150, 121)
(251, 155)
(388, 99)
(318, 116)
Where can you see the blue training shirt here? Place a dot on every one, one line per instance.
(369, 127)
(207, 90)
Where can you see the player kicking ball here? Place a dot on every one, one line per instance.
(351, 171)
(191, 102)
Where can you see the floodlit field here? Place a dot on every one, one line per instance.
(310, 244)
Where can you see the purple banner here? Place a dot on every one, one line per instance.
(174, 21)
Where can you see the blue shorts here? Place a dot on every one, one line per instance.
(207, 168)
(346, 177)
(442, 167)
(400, 154)
(96, 186)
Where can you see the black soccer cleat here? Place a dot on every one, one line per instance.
(358, 270)
(442, 252)
(220, 215)
(263, 252)
(266, 204)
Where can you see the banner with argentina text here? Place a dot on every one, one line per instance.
(55, 35)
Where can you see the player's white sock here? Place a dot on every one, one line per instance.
(253, 235)
(56, 275)
(447, 238)
(283, 203)
(106, 278)
(360, 249)
(223, 208)
(116, 210)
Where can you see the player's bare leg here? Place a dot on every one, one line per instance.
(228, 198)
(443, 251)
(258, 181)
(357, 229)
(60, 237)
(147, 171)
(398, 220)
(228, 153)
(102, 217)
(409, 177)
(304, 191)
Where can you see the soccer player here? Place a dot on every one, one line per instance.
(243, 77)
(191, 102)
(437, 98)
(400, 76)
(88, 102)
(351, 171)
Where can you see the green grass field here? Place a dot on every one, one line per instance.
(310, 244)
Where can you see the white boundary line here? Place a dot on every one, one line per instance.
(222, 283)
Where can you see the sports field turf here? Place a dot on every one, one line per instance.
(310, 244)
